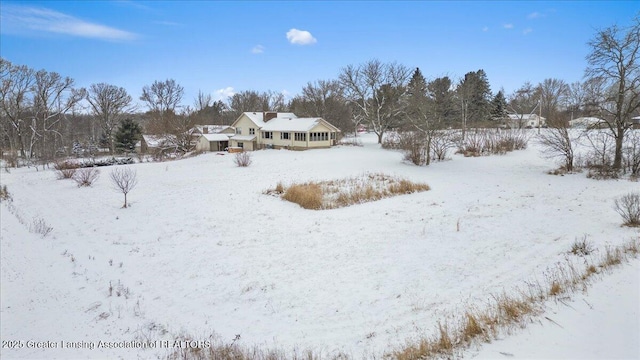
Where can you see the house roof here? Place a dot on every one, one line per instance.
(243, 137)
(291, 124)
(525, 117)
(211, 129)
(216, 137)
(586, 120)
(158, 140)
(258, 117)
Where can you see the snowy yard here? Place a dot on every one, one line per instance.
(202, 249)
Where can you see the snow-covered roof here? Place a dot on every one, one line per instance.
(211, 129)
(586, 121)
(258, 117)
(243, 137)
(291, 124)
(525, 117)
(216, 137)
(158, 140)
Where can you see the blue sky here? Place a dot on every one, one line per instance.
(219, 47)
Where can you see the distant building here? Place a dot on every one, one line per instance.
(520, 121)
(260, 130)
(586, 123)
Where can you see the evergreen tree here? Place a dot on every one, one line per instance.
(443, 101)
(475, 96)
(499, 106)
(128, 133)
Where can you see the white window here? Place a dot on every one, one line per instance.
(284, 136)
(238, 131)
(267, 135)
(252, 131)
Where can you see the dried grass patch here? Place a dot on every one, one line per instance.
(332, 194)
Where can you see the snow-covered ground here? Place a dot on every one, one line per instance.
(202, 249)
(603, 323)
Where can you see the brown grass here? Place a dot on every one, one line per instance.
(556, 289)
(308, 195)
(332, 194)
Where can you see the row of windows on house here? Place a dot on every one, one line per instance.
(298, 136)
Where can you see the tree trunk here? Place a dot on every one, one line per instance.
(617, 160)
(380, 137)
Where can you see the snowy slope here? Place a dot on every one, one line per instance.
(604, 323)
(203, 250)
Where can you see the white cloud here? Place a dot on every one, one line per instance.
(527, 30)
(534, 15)
(508, 26)
(485, 29)
(300, 37)
(24, 18)
(223, 94)
(258, 49)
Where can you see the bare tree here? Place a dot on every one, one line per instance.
(553, 96)
(558, 142)
(325, 99)
(16, 84)
(162, 99)
(53, 97)
(524, 101)
(108, 103)
(124, 180)
(613, 63)
(376, 90)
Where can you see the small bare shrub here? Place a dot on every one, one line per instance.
(600, 156)
(39, 226)
(86, 176)
(628, 206)
(631, 153)
(415, 147)
(441, 142)
(65, 169)
(4, 194)
(242, 159)
(124, 180)
(581, 248)
(558, 143)
(391, 141)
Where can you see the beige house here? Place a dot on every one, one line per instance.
(212, 137)
(258, 130)
(212, 142)
(519, 121)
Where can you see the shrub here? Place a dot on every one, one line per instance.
(39, 226)
(65, 169)
(415, 147)
(581, 248)
(628, 206)
(243, 159)
(86, 176)
(4, 193)
(631, 153)
(600, 156)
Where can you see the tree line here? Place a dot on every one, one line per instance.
(43, 115)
